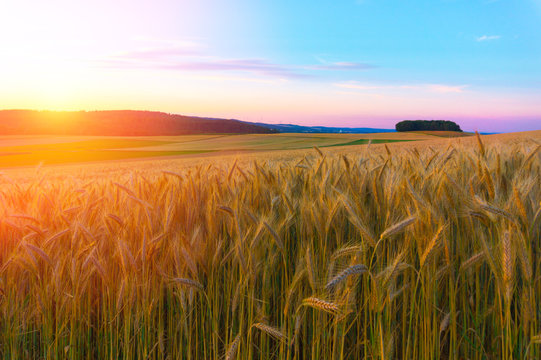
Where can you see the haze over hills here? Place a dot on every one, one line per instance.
(117, 123)
(292, 128)
(143, 123)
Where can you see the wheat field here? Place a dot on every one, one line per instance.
(400, 251)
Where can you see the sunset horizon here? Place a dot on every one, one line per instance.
(354, 63)
(468, 125)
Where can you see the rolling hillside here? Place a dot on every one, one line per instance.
(292, 128)
(117, 123)
(145, 123)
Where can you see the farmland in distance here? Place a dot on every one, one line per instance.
(18, 151)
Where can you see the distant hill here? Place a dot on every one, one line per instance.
(118, 123)
(290, 128)
(144, 123)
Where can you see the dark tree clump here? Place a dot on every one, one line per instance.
(427, 125)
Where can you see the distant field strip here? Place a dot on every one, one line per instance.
(31, 151)
(64, 157)
(446, 134)
(101, 149)
(94, 144)
(278, 142)
(254, 142)
(366, 141)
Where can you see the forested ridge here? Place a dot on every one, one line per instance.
(117, 123)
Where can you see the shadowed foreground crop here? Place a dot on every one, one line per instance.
(412, 253)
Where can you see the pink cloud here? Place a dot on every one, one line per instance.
(149, 61)
(441, 88)
(189, 57)
(258, 66)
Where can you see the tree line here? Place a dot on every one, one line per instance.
(117, 123)
(427, 125)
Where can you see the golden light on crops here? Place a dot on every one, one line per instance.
(298, 254)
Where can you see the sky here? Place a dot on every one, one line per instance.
(358, 63)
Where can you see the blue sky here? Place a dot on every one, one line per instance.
(486, 43)
(342, 62)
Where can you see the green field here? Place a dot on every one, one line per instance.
(33, 150)
(368, 141)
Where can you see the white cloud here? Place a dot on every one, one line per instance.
(434, 88)
(488, 37)
(338, 65)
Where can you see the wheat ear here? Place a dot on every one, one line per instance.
(230, 354)
(189, 282)
(275, 333)
(396, 228)
(352, 270)
(321, 305)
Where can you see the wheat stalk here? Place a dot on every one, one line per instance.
(472, 261)
(431, 247)
(274, 332)
(189, 282)
(321, 305)
(232, 350)
(275, 236)
(346, 251)
(445, 322)
(398, 227)
(508, 265)
(352, 270)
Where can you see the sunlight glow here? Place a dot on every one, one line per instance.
(259, 62)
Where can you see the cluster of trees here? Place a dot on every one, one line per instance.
(424, 125)
(118, 123)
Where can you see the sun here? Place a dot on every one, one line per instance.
(56, 82)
